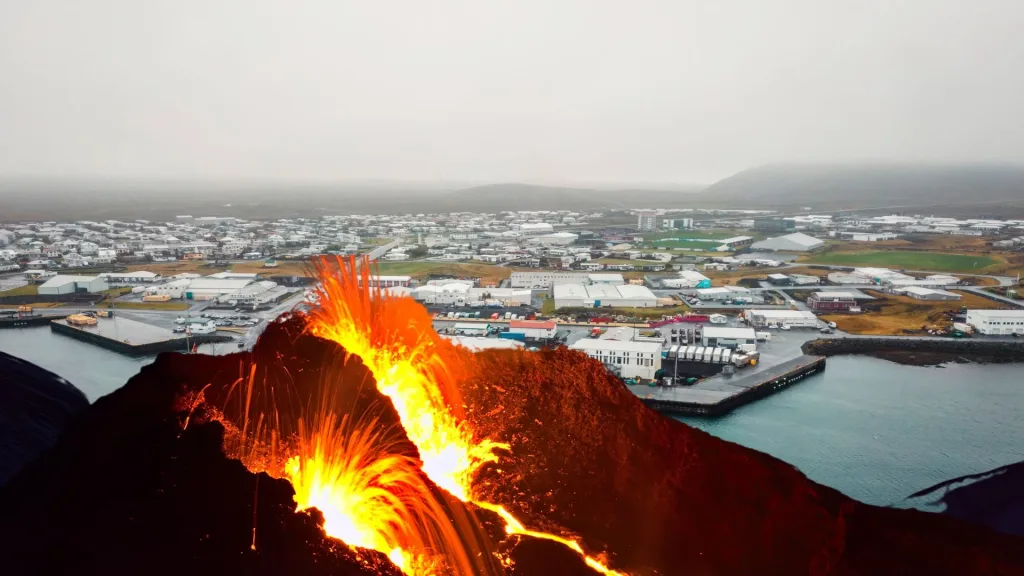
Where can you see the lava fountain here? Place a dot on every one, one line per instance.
(419, 372)
(403, 489)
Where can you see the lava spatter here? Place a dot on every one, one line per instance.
(419, 372)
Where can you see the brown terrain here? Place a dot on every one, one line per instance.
(892, 315)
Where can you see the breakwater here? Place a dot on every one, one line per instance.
(16, 322)
(921, 351)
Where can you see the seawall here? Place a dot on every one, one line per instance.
(14, 322)
(921, 352)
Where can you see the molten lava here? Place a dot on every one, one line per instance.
(419, 372)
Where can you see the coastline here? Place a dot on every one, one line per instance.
(921, 352)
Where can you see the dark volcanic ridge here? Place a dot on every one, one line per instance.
(912, 352)
(129, 488)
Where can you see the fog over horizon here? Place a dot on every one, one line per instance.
(566, 92)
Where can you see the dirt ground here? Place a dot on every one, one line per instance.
(899, 315)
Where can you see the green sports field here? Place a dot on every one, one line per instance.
(938, 261)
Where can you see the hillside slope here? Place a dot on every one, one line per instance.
(868, 185)
(513, 196)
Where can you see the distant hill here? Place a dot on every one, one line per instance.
(867, 185)
(95, 199)
(496, 197)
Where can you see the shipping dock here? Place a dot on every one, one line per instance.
(720, 394)
(133, 338)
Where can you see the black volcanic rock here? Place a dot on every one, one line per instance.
(139, 483)
(126, 490)
(35, 405)
(587, 456)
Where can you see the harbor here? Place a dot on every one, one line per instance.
(131, 337)
(722, 393)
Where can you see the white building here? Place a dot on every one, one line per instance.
(687, 279)
(633, 359)
(519, 297)
(603, 296)
(794, 318)
(389, 281)
(608, 279)
(722, 337)
(471, 328)
(209, 287)
(546, 279)
(260, 292)
(557, 239)
(996, 322)
(535, 229)
(208, 327)
(128, 278)
(533, 329)
(175, 288)
(453, 293)
(572, 296)
(797, 242)
(921, 293)
(476, 343)
(646, 220)
(63, 284)
(847, 278)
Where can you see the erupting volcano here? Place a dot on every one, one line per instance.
(354, 440)
(350, 466)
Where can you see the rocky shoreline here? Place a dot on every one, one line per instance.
(915, 352)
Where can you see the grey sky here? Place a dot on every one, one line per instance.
(525, 90)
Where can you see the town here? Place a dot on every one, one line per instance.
(660, 296)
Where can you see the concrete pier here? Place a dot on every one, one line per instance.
(133, 338)
(723, 393)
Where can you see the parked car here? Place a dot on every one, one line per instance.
(178, 329)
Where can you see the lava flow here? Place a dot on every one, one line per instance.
(419, 372)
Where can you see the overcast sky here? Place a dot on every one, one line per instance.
(495, 90)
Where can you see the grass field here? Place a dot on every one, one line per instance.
(26, 290)
(893, 315)
(548, 306)
(938, 261)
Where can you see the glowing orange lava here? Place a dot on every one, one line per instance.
(418, 371)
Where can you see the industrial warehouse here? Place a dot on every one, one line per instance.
(603, 295)
(796, 242)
